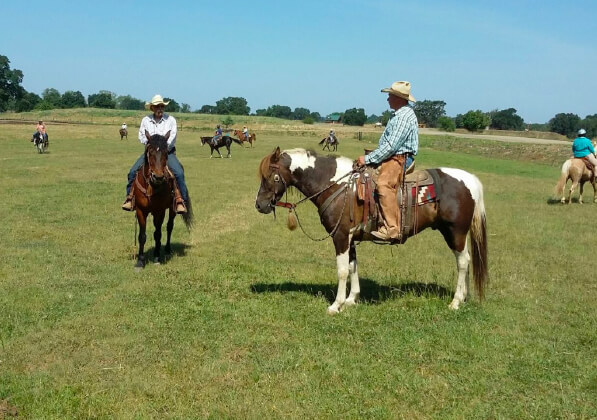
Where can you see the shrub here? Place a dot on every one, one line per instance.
(308, 120)
(446, 124)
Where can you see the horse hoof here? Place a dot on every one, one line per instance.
(454, 305)
(350, 302)
(333, 310)
(138, 269)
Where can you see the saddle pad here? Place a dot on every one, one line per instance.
(426, 194)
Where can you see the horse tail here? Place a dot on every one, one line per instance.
(188, 217)
(236, 140)
(563, 178)
(478, 235)
(322, 140)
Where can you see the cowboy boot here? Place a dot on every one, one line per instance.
(181, 208)
(128, 202)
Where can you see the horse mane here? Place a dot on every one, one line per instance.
(158, 141)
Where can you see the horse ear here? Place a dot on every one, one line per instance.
(147, 135)
(167, 135)
(276, 154)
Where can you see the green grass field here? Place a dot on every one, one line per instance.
(234, 325)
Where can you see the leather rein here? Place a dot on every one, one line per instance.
(292, 206)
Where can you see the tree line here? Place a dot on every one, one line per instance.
(13, 97)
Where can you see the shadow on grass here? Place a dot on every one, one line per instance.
(371, 291)
(555, 201)
(178, 250)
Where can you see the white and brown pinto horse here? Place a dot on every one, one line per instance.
(574, 169)
(458, 211)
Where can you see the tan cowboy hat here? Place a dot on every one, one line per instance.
(400, 89)
(156, 100)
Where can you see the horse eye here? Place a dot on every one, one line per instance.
(276, 178)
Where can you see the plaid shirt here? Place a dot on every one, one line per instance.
(400, 136)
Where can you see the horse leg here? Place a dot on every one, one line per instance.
(142, 219)
(458, 243)
(228, 148)
(580, 191)
(341, 243)
(572, 187)
(355, 287)
(158, 219)
(594, 191)
(169, 228)
(218, 150)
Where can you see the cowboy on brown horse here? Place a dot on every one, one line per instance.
(159, 123)
(397, 147)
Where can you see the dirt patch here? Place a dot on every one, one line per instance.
(7, 410)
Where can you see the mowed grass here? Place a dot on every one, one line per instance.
(234, 325)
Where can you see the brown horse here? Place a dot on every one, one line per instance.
(222, 141)
(124, 133)
(242, 138)
(458, 211)
(575, 170)
(154, 185)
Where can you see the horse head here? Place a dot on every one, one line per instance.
(156, 157)
(275, 177)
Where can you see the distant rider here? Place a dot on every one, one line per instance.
(246, 133)
(583, 148)
(217, 137)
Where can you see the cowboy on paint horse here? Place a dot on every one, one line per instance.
(165, 125)
(583, 149)
(397, 147)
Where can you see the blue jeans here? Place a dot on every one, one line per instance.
(174, 166)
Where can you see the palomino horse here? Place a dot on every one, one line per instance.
(154, 185)
(222, 141)
(124, 133)
(241, 136)
(458, 211)
(330, 141)
(575, 170)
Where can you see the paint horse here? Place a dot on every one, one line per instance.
(251, 139)
(330, 142)
(123, 133)
(154, 194)
(458, 211)
(222, 141)
(574, 169)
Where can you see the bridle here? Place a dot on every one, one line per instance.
(292, 206)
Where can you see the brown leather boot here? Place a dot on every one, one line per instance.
(180, 207)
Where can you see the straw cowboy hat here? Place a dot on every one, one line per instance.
(156, 100)
(400, 89)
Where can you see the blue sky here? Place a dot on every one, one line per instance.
(539, 57)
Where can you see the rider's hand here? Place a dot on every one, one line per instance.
(361, 161)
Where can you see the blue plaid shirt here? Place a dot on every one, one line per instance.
(400, 136)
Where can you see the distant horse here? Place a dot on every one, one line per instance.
(154, 185)
(330, 141)
(458, 211)
(222, 141)
(241, 136)
(575, 170)
(124, 133)
(40, 142)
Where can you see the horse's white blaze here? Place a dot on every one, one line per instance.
(343, 167)
(300, 159)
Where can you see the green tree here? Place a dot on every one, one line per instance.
(103, 99)
(10, 84)
(565, 124)
(475, 120)
(27, 102)
(185, 108)
(279, 111)
(308, 120)
(446, 124)
(429, 112)
(232, 105)
(53, 97)
(261, 112)
(72, 99)
(385, 117)
(128, 102)
(207, 109)
(458, 121)
(300, 113)
(354, 116)
(507, 119)
(590, 124)
(316, 116)
(372, 119)
(172, 106)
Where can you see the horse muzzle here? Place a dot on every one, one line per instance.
(265, 206)
(156, 179)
